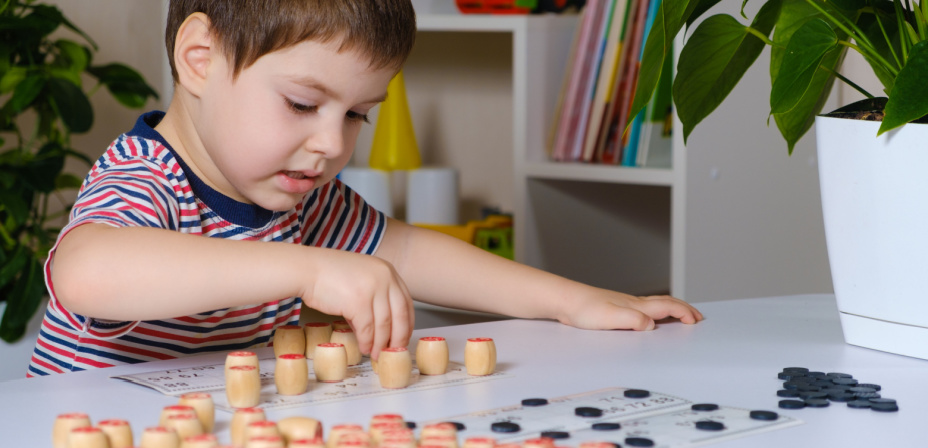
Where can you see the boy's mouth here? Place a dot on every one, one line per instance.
(295, 174)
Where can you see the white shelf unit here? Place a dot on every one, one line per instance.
(732, 217)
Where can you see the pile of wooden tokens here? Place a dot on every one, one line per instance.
(189, 423)
(333, 348)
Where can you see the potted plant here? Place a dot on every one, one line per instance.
(871, 166)
(44, 101)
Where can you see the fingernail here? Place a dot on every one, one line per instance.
(650, 326)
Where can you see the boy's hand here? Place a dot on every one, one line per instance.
(608, 310)
(369, 293)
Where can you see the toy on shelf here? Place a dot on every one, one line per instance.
(493, 234)
(515, 6)
(394, 146)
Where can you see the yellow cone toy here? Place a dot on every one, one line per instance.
(394, 146)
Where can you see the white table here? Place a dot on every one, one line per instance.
(732, 358)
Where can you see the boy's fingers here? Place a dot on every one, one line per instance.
(383, 321)
(659, 308)
(628, 319)
(403, 315)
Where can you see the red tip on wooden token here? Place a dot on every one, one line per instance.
(113, 422)
(242, 368)
(196, 395)
(242, 353)
(263, 424)
(331, 344)
(394, 349)
(252, 410)
(201, 438)
(292, 356)
(432, 338)
(74, 415)
(87, 429)
(480, 339)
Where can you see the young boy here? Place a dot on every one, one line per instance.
(225, 210)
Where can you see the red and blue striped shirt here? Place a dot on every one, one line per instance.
(140, 181)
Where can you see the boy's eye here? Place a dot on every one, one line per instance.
(355, 116)
(299, 108)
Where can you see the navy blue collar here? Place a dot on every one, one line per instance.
(239, 213)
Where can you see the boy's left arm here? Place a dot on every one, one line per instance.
(445, 271)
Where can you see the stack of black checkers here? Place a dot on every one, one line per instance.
(803, 388)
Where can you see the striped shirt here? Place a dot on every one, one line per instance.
(140, 181)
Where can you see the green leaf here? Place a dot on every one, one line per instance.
(671, 17)
(871, 28)
(71, 103)
(75, 57)
(124, 83)
(23, 301)
(12, 78)
(11, 270)
(66, 181)
(804, 52)
(713, 61)
(701, 8)
(42, 171)
(909, 98)
(795, 123)
(25, 92)
(17, 207)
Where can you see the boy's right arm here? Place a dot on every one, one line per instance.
(141, 273)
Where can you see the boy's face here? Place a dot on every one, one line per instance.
(287, 124)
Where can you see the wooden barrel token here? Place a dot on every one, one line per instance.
(338, 431)
(316, 333)
(479, 442)
(432, 355)
(265, 442)
(331, 363)
(202, 404)
(299, 428)
(118, 432)
(87, 437)
(346, 337)
(186, 425)
(289, 339)
(200, 441)
(243, 386)
(240, 420)
(159, 437)
(394, 368)
(291, 374)
(63, 425)
(480, 356)
(306, 443)
(241, 358)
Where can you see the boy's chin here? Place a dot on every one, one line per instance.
(278, 204)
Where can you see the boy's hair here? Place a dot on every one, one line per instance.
(383, 30)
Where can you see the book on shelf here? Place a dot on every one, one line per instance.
(599, 85)
(578, 76)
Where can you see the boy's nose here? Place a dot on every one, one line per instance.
(327, 141)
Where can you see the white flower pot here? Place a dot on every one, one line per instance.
(875, 204)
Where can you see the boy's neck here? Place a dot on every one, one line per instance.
(178, 130)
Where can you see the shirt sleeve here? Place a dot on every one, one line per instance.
(334, 216)
(135, 192)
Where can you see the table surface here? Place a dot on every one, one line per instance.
(732, 358)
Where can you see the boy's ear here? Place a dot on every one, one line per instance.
(193, 52)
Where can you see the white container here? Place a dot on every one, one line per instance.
(875, 206)
(373, 185)
(432, 196)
